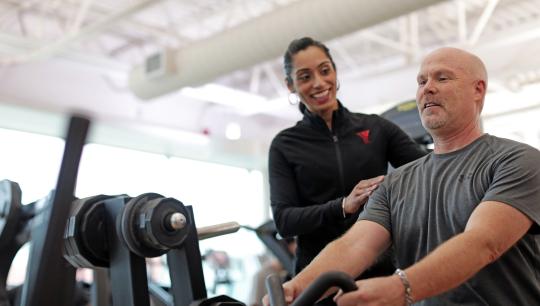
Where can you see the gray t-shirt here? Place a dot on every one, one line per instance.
(428, 201)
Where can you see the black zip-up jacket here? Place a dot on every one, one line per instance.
(311, 170)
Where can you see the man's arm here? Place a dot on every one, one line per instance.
(354, 252)
(492, 229)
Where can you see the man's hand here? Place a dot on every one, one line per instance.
(380, 291)
(360, 194)
(290, 293)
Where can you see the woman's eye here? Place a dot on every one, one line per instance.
(303, 77)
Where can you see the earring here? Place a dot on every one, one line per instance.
(337, 85)
(293, 98)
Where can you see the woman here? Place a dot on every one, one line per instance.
(323, 169)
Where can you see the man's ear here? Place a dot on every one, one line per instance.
(480, 89)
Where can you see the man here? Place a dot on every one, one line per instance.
(463, 221)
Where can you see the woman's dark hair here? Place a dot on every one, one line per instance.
(298, 45)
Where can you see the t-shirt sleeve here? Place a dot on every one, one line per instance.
(377, 209)
(516, 182)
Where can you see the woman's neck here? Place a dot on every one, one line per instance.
(327, 115)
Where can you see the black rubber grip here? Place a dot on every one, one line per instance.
(323, 283)
(313, 292)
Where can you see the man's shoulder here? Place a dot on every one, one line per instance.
(504, 147)
(412, 168)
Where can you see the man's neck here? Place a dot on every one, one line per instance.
(450, 142)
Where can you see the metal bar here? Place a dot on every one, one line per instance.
(267, 234)
(461, 20)
(129, 283)
(81, 15)
(482, 22)
(85, 33)
(217, 230)
(100, 292)
(403, 32)
(185, 269)
(15, 45)
(346, 56)
(49, 279)
(255, 81)
(277, 84)
(415, 36)
(159, 296)
(385, 41)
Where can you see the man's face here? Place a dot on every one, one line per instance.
(446, 95)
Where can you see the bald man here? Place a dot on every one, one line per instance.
(463, 220)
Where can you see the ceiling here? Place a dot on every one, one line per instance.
(78, 55)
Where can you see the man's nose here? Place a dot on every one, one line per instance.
(430, 87)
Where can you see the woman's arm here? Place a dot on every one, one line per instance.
(291, 217)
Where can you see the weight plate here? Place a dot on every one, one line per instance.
(157, 230)
(85, 237)
(130, 226)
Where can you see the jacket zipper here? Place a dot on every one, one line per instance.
(340, 163)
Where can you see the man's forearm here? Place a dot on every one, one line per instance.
(448, 266)
(352, 253)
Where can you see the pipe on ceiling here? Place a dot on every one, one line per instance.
(265, 38)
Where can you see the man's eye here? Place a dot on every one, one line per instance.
(443, 78)
(421, 82)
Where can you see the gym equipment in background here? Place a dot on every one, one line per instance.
(269, 236)
(13, 238)
(14, 230)
(131, 229)
(49, 279)
(112, 232)
(406, 116)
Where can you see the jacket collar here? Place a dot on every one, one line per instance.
(338, 118)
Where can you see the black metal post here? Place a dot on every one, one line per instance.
(49, 279)
(185, 269)
(100, 293)
(129, 284)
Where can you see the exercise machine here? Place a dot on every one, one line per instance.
(313, 292)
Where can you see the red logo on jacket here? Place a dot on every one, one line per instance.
(364, 135)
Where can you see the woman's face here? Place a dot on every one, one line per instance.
(314, 80)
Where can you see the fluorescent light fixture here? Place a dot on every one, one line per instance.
(245, 102)
(175, 135)
(233, 131)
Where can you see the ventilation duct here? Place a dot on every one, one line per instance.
(261, 39)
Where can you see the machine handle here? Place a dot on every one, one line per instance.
(313, 292)
(275, 291)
